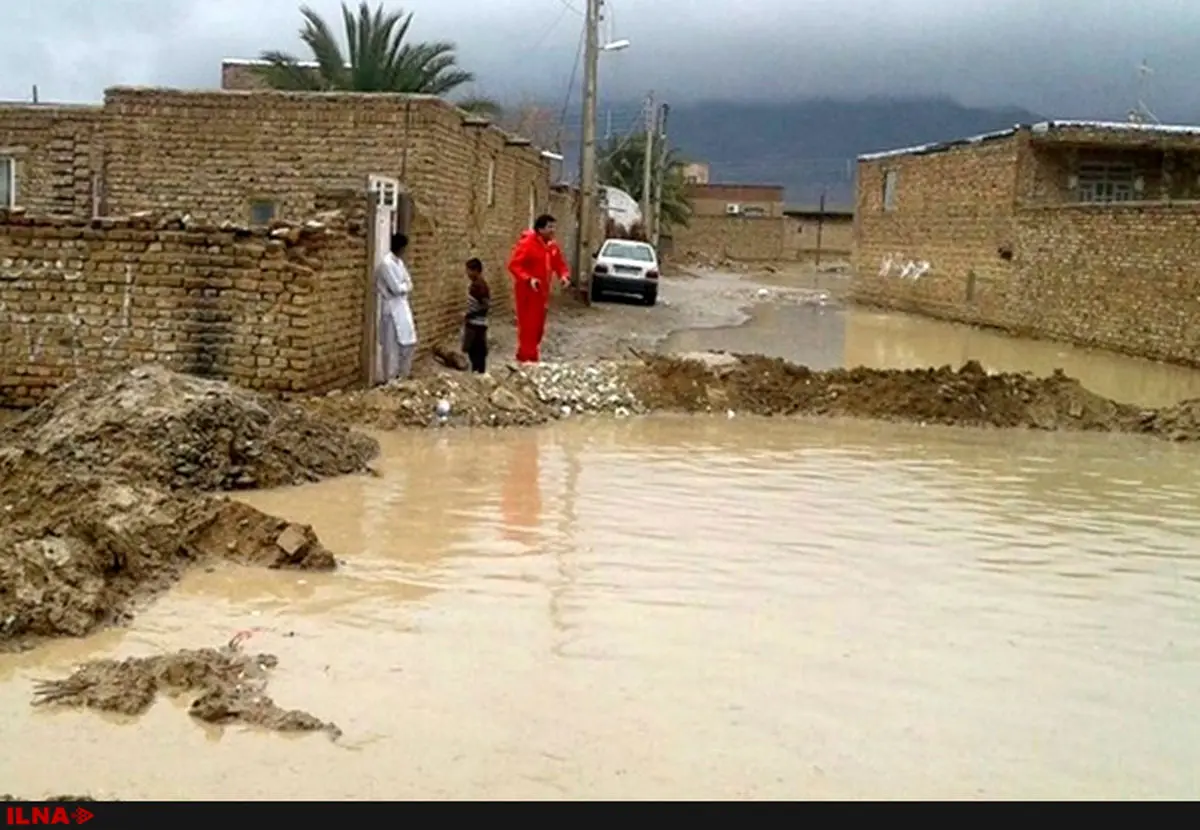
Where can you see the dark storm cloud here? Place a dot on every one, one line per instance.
(1059, 57)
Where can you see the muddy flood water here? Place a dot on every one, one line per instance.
(689, 608)
(830, 337)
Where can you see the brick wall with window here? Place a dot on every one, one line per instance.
(51, 154)
(1062, 240)
(252, 158)
(945, 215)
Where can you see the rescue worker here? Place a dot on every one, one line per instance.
(535, 260)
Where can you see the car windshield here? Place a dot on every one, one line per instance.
(621, 250)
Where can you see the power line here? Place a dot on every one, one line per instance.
(566, 7)
(562, 117)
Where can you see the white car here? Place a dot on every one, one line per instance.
(626, 266)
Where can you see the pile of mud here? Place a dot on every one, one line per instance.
(228, 686)
(79, 551)
(182, 432)
(1174, 423)
(99, 494)
(968, 396)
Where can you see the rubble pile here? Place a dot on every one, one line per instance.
(510, 395)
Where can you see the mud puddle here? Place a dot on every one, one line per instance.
(673, 607)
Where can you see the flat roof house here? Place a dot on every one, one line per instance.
(247, 158)
(1082, 231)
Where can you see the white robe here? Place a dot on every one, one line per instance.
(397, 330)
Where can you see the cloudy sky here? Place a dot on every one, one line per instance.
(1068, 58)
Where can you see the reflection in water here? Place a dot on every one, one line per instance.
(674, 607)
(829, 338)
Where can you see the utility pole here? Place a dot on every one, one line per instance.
(587, 156)
(820, 224)
(648, 168)
(661, 172)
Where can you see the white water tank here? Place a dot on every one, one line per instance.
(620, 207)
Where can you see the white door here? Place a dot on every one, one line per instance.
(385, 193)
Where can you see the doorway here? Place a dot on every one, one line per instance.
(388, 213)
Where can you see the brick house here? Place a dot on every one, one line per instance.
(754, 200)
(734, 221)
(1086, 232)
(249, 158)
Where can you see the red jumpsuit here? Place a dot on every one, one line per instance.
(533, 259)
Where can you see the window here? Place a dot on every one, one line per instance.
(889, 190)
(628, 250)
(262, 212)
(8, 182)
(491, 183)
(1104, 182)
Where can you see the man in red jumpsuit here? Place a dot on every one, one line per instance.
(535, 260)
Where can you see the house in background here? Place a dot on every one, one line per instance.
(733, 200)
(1082, 231)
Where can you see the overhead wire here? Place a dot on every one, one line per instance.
(562, 116)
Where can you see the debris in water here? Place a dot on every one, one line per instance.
(229, 686)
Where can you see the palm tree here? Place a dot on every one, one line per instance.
(378, 58)
(621, 165)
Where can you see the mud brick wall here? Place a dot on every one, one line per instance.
(211, 154)
(1122, 277)
(252, 307)
(57, 154)
(837, 238)
(740, 238)
(938, 252)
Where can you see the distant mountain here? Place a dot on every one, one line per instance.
(812, 145)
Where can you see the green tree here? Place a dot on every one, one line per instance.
(621, 165)
(378, 59)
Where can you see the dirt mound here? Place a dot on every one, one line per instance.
(968, 396)
(182, 432)
(229, 686)
(1174, 423)
(79, 551)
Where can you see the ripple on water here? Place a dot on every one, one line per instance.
(678, 607)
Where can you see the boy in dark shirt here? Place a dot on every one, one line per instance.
(475, 327)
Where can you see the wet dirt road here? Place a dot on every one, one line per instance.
(690, 608)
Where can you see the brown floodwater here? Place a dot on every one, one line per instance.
(829, 337)
(689, 608)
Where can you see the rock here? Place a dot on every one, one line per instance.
(292, 540)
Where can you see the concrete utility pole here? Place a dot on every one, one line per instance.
(648, 168)
(587, 156)
(661, 172)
